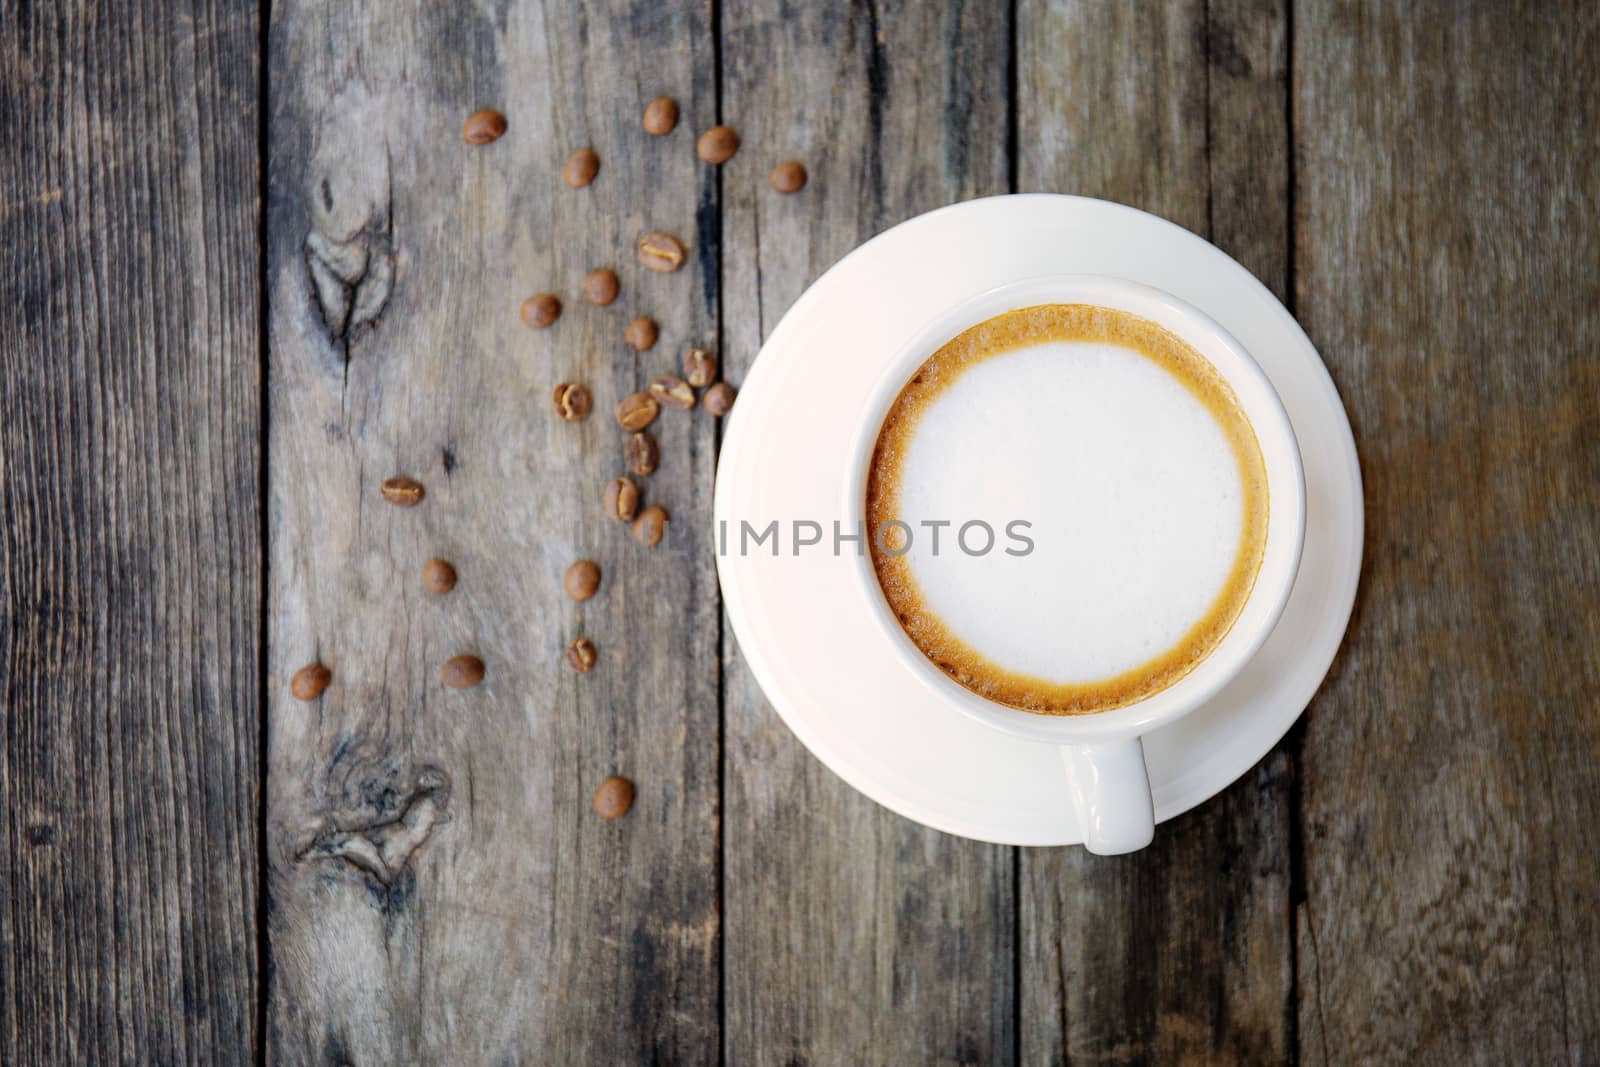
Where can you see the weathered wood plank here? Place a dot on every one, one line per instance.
(130, 533)
(854, 936)
(521, 928)
(1180, 953)
(1448, 267)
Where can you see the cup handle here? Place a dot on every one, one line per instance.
(1110, 789)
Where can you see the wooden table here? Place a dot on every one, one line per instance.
(250, 270)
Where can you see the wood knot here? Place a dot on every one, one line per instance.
(352, 278)
(384, 849)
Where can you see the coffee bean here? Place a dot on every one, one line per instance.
(600, 287)
(439, 576)
(541, 310)
(718, 400)
(699, 367)
(484, 126)
(583, 579)
(641, 453)
(613, 799)
(661, 252)
(672, 392)
(661, 116)
(309, 681)
(650, 525)
(636, 411)
(622, 499)
(788, 177)
(642, 333)
(717, 145)
(581, 168)
(462, 672)
(572, 401)
(402, 492)
(580, 655)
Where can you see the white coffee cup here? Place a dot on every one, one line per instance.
(1102, 752)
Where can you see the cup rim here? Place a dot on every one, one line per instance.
(1286, 518)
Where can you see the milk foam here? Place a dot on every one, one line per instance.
(1133, 492)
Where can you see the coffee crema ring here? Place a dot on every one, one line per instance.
(1017, 331)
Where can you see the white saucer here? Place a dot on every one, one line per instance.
(813, 648)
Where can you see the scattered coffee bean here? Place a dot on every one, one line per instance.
(462, 672)
(541, 310)
(580, 655)
(402, 492)
(717, 145)
(789, 177)
(622, 499)
(650, 525)
(572, 401)
(718, 400)
(661, 252)
(309, 681)
(661, 116)
(583, 579)
(600, 287)
(636, 411)
(642, 453)
(642, 333)
(673, 392)
(699, 367)
(581, 168)
(613, 799)
(484, 126)
(439, 576)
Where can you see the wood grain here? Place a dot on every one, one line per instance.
(854, 935)
(514, 925)
(130, 551)
(1448, 267)
(1182, 952)
(1409, 879)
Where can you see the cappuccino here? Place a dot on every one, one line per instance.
(1124, 456)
